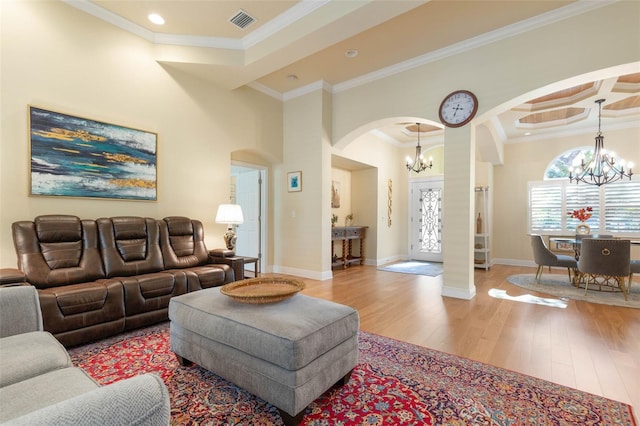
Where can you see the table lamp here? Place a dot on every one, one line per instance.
(231, 214)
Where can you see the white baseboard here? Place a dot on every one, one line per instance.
(390, 259)
(459, 293)
(303, 273)
(446, 291)
(513, 262)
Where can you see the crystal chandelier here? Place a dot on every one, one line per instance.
(419, 164)
(602, 168)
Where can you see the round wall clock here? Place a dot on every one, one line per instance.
(458, 108)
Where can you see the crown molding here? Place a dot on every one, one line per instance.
(574, 9)
(301, 91)
(385, 137)
(110, 17)
(266, 90)
(545, 136)
(306, 7)
(297, 12)
(198, 41)
(289, 17)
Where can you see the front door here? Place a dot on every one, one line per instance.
(426, 219)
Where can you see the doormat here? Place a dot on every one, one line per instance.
(416, 267)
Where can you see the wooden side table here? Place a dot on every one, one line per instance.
(237, 263)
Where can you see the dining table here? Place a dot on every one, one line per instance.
(578, 279)
(576, 241)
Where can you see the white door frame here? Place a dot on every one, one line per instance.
(414, 204)
(262, 213)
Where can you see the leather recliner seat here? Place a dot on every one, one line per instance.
(183, 249)
(131, 253)
(99, 278)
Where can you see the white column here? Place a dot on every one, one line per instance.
(459, 175)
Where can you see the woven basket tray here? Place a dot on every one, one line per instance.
(262, 290)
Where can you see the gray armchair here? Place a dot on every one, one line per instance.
(19, 310)
(606, 263)
(545, 257)
(40, 386)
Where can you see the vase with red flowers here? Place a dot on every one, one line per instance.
(582, 215)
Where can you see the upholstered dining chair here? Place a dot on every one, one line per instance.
(608, 260)
(545, 257)
(580, 237)
(635, 269)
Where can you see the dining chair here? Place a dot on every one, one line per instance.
(580, 237)
(634, 267)
(606, 263)
(545, 257)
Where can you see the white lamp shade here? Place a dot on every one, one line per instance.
(229, 213)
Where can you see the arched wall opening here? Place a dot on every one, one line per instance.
(368, 165)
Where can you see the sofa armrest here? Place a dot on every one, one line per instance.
(12, 276)
(19, 310)
(216, 253)
(141, 400)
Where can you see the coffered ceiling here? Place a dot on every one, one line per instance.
(289, 44)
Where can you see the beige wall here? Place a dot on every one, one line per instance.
(367, 196)
(59, 58)
(303, 230)
(388, 243)
(343, 179)
(359, 196)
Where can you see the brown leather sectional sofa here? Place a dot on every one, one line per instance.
(97, 278)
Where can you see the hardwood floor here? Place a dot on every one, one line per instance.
(591, 347)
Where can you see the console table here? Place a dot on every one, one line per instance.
(346, 235)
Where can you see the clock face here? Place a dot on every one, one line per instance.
(458, 108)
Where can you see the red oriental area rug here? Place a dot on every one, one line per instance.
(395, 383)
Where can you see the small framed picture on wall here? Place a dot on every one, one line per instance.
(294, 181)
(335, 194)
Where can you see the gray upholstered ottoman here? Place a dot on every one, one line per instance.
(287, 353)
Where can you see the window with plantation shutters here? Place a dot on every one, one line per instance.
(578, 197)
(616, 207)
(545, 207)
(622, 207)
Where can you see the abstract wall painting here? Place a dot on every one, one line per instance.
(79, 157)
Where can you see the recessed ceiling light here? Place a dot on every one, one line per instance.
(292, 77)
(351, 53)
(527, 134)
(156, 19)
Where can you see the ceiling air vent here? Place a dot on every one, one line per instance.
(242, 19)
